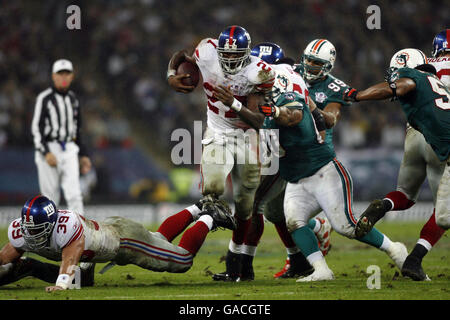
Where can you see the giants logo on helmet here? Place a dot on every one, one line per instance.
(49, 210)
(265, 50)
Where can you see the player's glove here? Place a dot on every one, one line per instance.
(350, 95)
(269, 110)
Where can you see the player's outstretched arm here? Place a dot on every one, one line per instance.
(381, 91)
(286, 116)
(71, 255)
(173, 79)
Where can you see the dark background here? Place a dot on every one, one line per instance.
(120, 57)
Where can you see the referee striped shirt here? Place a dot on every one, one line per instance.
(57, 117)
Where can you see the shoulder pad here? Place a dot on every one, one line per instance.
(206, 49)
(68, 228)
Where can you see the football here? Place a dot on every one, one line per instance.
(192, 70)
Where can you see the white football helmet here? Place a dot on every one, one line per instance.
(322, 52)
(408, 58)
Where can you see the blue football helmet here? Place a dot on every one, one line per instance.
(441, 43)
(234, 49)
(38, 217)
(268, 51)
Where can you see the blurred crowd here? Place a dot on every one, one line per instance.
(123, 48)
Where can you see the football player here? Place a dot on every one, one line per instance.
(419, 162)
(226, 62)
(270, 193)
(66, 236)
(316, 181)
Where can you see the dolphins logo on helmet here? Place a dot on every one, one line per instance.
(38, 218)
(409, 58)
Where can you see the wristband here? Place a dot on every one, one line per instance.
(237, 105)
(277, 112)
(64, 281)
(170, 72)
(319, 119)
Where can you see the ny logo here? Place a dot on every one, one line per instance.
(265, 50)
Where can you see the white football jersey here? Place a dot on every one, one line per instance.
(256, 76)
(442, 66)
(101, 241)
(286, 79)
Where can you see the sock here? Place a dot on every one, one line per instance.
(293, 250)
(248, 250)
(241, 230)
(255, 230)
(246, 265)
(375, 238)
(419, 251)
(431, 232)
(314, 225)
(397, 200)
(175, 224)
(284, 234)
(194, 237)
(306, 240)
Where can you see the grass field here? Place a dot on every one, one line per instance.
(348, 259)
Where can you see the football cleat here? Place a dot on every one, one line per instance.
(398, 253)
(233, 268)
(221, 214)
(412, 268)
(286, 267)
(369, 217)
(321, 274)
(324, 235)
(299, 266)
(226, 277)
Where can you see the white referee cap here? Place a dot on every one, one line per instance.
(62, 64)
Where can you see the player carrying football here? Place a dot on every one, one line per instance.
(227, 62)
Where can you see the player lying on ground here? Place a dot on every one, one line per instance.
(316, 181)
(66, 236)
(426, 103)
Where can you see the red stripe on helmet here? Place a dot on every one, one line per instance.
(29, 207)
(448, 37)
(230, 39)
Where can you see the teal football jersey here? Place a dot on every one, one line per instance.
(323, 92)
(427, 109)
(303, 154)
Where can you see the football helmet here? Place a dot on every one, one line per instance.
(38, 217)
(317, 60)
(233, 49)
(441, 43)
(409, 58)
(268, 51)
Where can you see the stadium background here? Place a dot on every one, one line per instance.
(120, 56)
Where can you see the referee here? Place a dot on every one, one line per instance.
(60, 155)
